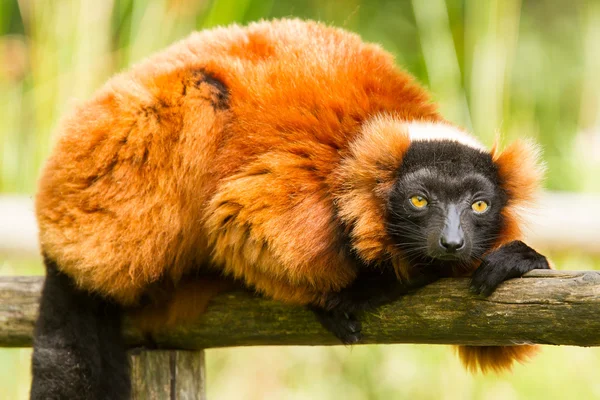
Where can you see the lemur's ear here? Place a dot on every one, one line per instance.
(521, 172)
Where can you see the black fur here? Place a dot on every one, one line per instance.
(509, 261)
(373, 288)
(450, 158)
(220, 98)
(344, 325)
(451, 177)
(78, 349)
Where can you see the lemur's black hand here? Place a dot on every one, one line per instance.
(344, 325)
(372, 288)
(509, 261)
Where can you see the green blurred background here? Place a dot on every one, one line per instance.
(522, 67)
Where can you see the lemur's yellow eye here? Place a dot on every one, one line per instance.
(479, 206)
(418, 201)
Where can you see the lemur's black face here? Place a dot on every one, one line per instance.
(446, 204)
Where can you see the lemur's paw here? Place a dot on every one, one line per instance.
(509, 261)
(345, 326)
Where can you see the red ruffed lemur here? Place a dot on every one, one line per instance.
(286, 155)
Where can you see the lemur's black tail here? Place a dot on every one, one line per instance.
(78, 351)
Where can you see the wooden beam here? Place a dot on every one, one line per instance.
(547, 307)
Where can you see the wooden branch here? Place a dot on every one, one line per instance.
(547, 307)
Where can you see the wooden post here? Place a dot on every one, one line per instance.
(167, 374)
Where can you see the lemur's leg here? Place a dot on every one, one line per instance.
(371, 289)
(78, 352)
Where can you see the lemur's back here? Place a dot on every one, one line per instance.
(124, 198)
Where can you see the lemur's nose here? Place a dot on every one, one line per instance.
(452, 244)
(452, 238)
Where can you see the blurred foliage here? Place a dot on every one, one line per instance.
(525, 68)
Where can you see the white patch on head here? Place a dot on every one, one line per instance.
(429, 131)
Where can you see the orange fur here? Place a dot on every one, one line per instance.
(148, 180)
(364, 181)
(168, 308)
(520, 171)
(162, 172)
(494, 358)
